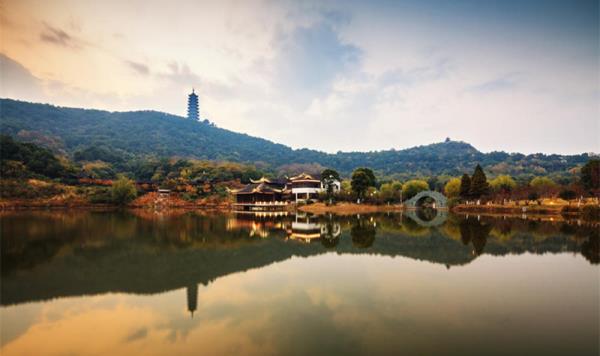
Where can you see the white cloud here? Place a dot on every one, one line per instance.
(334, 76)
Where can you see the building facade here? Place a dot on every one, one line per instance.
(272, 194)
(305, 187)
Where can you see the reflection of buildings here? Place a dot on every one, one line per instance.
(192, 298)
(304, 228)
(258, 224)
(300, 227)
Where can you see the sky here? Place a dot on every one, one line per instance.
(513, 75)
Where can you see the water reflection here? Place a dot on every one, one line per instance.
(311, 276)
(128, 252)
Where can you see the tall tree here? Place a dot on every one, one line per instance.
(329, 177)
(361, 181)
(465, 186)
(370, 175)
(479, 184)
(590, 174)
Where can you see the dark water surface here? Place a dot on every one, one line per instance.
(131, 283)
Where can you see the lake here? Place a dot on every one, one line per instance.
(136, 282)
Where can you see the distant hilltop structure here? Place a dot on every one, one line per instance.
(193, 112)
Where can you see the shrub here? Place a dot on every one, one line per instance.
(100, 195)
(590, 212)
(452, 202)
(123, 191)
(567, 194)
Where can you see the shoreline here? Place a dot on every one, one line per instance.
(531, 211)
(348, 208)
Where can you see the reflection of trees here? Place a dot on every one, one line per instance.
(363, 233)
(51, 256)
(412, 227)
(476, 232)
(330, 236)
(590, 249)
(504, 227)
(426, 214)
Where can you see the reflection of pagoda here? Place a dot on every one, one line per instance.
(192, 111)
(192, 298)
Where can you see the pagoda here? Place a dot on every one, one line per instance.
(192, 111)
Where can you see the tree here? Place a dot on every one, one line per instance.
(479, 184)
(391, 192)
(503, 183)
(413, 187)
(370, 175)
(360, 183)
(452, 188)
(465, 186)
(123, 190)
(328, 178)
(590, 174)
(542, 185)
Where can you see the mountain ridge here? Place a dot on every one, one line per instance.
(153, 133)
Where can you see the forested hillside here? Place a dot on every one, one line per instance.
(119, 137)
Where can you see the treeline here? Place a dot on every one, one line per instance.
(119, 139)
(364, 186)
(29, 171)
(195, 179)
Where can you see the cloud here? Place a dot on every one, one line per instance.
(59, 37)
(311, 58)
(137, 67)
(505, 82)
(417, 75)
(17, 81)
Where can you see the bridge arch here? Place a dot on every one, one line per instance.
(440, 218)
(441, 201)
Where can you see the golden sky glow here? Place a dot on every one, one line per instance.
(363, 302)
(280, 69)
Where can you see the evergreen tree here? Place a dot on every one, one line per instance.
(590, 174)
(479, 184)
(360, 183)
(465, 186)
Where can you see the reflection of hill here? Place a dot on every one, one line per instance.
(46, 257)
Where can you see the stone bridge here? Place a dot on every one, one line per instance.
(441, 202)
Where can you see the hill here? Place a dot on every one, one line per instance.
(115, 137)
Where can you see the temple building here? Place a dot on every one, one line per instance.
(274, 194)
(192, 111)
(305, 187)
(261, 195)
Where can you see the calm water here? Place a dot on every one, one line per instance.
(134, 283)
